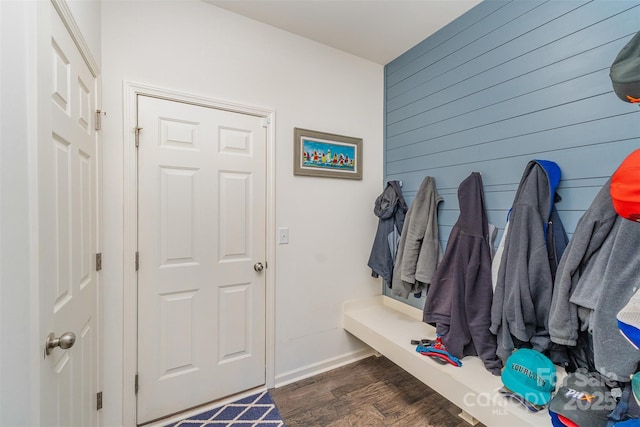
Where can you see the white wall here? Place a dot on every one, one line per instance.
(196, 48)
(87, 14)
(18, 306)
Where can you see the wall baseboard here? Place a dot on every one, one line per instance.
(322, 366)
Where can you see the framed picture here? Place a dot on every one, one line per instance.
(326, 155)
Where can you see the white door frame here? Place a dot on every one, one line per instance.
(130, 230)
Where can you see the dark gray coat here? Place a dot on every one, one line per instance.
(521, 301)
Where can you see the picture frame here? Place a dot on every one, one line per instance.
(326, 155)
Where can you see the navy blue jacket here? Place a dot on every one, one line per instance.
(391, 209)
(459, 298)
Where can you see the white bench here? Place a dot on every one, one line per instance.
(388, 326)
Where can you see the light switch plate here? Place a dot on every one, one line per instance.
(283, 235)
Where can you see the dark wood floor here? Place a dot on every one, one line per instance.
(371, 392)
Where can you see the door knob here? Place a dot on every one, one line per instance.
(258, 266)
(65, 341)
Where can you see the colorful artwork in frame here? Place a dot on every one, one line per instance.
(326, 155)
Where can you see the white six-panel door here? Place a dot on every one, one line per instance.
(67, 216)
(201, 223)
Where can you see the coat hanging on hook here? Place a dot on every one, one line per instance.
(419, 249)
(390, 207)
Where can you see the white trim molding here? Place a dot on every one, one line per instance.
(63, 10)
(322, 366)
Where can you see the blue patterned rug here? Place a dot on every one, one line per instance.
(253, 411)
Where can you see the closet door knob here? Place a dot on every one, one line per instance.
(65, 341)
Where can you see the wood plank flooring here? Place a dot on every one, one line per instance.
(371, 392)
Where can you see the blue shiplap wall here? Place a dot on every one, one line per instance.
(508, 82)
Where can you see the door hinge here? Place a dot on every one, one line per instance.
(136, 386)
(99, 114)
(137, 260)
(266, 121)
(138, 136)
(99, 401)
(99, 262)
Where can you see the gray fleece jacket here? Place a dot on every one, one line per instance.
(597, 275)
(583, 264)
(419, 247)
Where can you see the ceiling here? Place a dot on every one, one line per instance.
(377, 30)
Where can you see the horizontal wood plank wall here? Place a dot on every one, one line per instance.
(506, 83)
